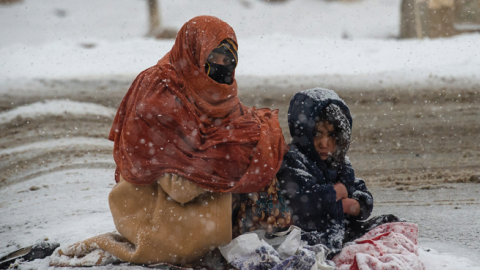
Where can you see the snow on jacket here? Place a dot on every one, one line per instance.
(307, 181)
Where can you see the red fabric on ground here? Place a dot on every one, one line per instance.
(389, 246)
(176, 119)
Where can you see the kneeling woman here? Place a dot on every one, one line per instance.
(183, 143)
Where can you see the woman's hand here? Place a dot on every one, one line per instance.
(351, 207)
(341, 191)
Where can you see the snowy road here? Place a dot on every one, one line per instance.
(448, 217)
(58, 165)
(70, 205)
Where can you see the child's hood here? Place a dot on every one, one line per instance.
(305, 106)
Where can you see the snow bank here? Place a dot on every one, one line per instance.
(54, 108)
(278, 60)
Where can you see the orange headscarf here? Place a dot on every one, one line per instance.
(176, 119)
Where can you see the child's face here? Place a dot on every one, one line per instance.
(324, 139)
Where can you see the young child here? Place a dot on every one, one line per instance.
(317, 180)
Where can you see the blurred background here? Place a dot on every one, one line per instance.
(408, 69)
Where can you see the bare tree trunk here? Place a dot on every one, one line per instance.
(154, 12)
(418, 20)
(408, 19)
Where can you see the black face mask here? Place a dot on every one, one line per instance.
(220, 73)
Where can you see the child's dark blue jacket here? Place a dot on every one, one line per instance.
(307, 182)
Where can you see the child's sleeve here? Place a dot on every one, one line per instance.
(364, 198)
(357, 190)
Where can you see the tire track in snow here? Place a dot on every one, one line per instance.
(59, 143)
(54, 108)
(54, 135)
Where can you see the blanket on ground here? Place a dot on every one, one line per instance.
(389, 246)
(286, 251)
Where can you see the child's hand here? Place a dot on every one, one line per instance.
(341, 191)
(351, 207)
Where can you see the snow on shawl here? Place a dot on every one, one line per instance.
(176, 119)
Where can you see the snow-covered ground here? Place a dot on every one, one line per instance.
(36, 22)
(282, 59)
(70, 205)
(349, 45)
(308, 42)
